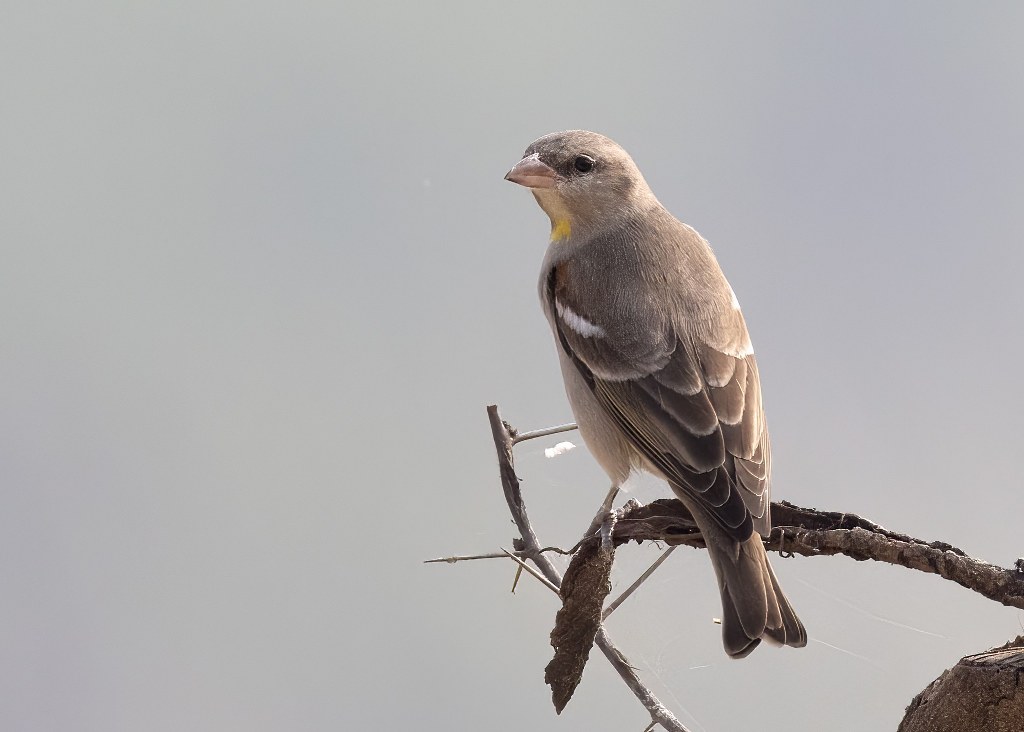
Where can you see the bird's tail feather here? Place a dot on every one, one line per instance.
(753, 604)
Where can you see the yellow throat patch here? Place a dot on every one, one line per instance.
(560, 230)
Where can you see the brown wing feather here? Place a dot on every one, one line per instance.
(696, 417)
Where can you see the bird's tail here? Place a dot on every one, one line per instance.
(753, 604)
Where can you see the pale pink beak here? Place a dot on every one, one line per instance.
(532, 173)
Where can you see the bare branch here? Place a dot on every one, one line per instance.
(814, 533)
(659, 712)
(803, 531)
(530, 547)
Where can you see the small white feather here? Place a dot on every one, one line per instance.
(577, 322)
(560, 448)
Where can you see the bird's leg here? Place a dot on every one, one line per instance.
(602, 512)
(609, 499)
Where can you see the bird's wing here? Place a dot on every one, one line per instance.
(692, 409)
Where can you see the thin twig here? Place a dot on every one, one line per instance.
(523, 565)
(518, 437)
(491, 555)
(639, 581)
(464, 558)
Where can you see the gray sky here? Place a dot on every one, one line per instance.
(260, 276)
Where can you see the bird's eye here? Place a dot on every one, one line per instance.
(583, 163)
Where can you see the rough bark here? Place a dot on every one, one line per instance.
(982, 693)
(814, 533)
(584, 588)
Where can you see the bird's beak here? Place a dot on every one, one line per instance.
(532, 173)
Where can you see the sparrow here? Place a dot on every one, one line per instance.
(657, 363)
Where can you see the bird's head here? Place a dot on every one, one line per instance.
(582, 180)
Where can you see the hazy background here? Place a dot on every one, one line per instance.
(260, 275)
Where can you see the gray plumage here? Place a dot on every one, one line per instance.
(657, 363)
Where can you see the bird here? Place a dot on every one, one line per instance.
(658, 365)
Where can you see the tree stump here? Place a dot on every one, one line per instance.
(982, 693)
